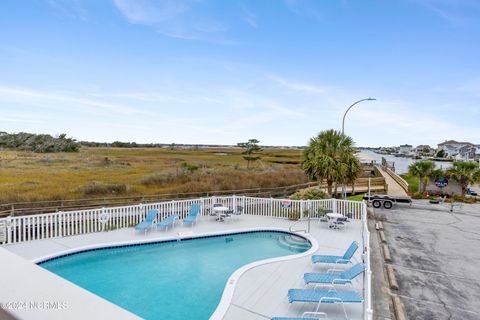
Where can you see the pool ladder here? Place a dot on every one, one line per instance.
(298, 230)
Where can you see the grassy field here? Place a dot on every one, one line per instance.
(99, 172)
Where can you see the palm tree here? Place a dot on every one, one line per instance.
(423, 170)
(465, 172)
(330, 157)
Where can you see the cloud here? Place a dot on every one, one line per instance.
(73, 9)
(303, 8)
(455, 12)
(248, 16)
(62, 101)
(299, 86)
(182, 19)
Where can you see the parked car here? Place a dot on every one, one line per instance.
(471, 192)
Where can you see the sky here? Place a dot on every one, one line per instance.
(222, 72)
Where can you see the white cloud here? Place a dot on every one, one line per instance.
(175, 18)
(62, 101)
(299, 86)
(248, 16)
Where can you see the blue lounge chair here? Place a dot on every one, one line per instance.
(305, 316)
(345, 259)
(145, 224)
(335, 278)
(167, 222)
(323, 296)
(192, 216)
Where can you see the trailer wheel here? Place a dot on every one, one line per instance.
(388, 204)
(376, 204)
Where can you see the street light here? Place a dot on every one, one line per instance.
(344, 191)
(343, 121)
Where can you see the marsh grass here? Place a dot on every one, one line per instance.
(27, 176)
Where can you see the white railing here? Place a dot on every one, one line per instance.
(59, 224)
(69, 223)
(367, 283)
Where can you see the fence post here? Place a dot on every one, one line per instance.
(13, 210)
(234, 203)
(9, 229)
(334, 205)
(271, 207)
(301, 209)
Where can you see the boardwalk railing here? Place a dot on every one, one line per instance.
(68, 223)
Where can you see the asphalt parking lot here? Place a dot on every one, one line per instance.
(436, 257)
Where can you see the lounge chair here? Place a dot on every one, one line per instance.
(192, 216)
(335, 278)
(345, 259)
(147, 223)
(305, 316)
(167, 222)
(323, 296)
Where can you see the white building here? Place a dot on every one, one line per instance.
(469, 152)
(405, 149)
(452, 147)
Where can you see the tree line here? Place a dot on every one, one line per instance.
(41, 143)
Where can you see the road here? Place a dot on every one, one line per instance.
(436, 257)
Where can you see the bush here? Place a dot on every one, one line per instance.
(294, 215)
(97, 188)
(309, 194)
(418, 195)
(158, 179)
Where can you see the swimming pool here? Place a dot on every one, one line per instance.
(175, 279)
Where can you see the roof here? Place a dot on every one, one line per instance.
(454, 142)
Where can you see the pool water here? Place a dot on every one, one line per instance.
(171, 280)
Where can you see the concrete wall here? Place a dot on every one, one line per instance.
(453, 188)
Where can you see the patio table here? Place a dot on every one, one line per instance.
(219, 211)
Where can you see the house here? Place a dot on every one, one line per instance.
(452, 147)
(424, 150)
(405, 149)
(469, 152)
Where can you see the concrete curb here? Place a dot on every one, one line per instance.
(386, 253)
(392, 279)
(399, 309)
(383, 239)
(380, 225)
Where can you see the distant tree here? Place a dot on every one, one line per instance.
(423, 170)
(440, 154)
(251, 150)
(330, 157)
(465, 172)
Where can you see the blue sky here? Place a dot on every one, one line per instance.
(203, 71)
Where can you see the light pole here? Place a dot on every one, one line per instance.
(344, 191)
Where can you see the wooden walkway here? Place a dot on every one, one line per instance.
(394, 188)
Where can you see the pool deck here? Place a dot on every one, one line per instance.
(261, 291)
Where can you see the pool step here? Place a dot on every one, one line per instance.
(293, 243)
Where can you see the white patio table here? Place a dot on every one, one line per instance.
(219, 211)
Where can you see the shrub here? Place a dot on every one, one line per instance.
(294, 215)
(97, 188)
(309, 194)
